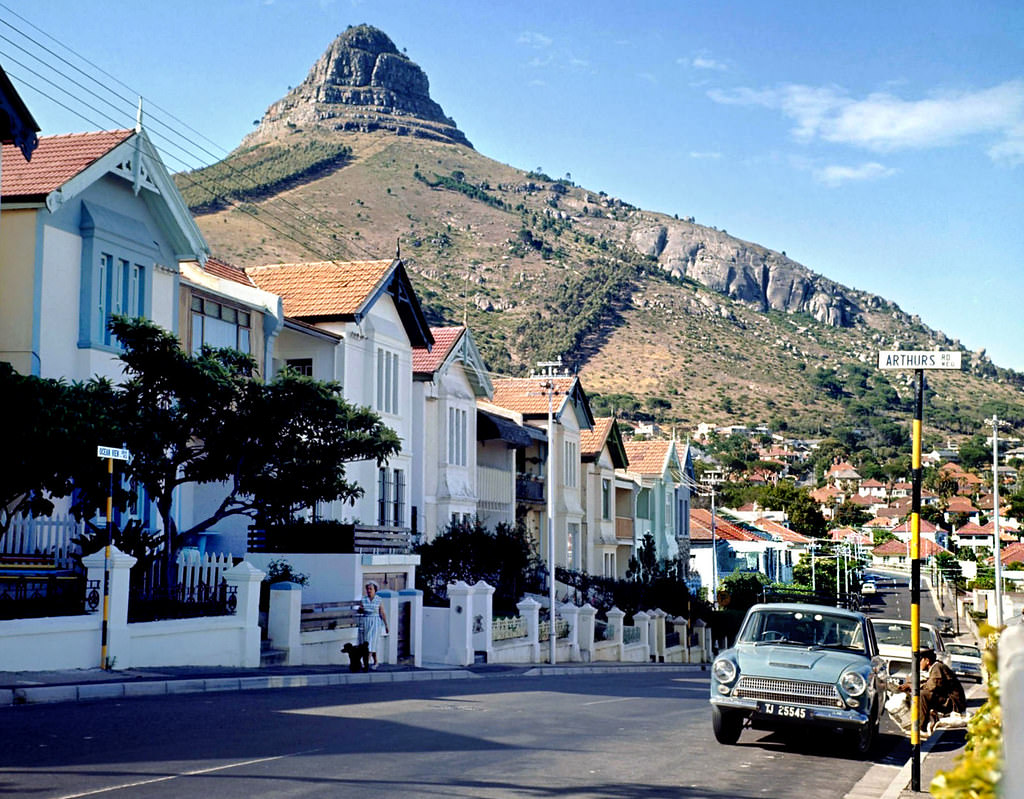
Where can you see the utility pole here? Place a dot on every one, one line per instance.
(994, 421)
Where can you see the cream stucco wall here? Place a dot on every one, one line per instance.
(17, 276)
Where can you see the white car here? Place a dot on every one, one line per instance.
(868, 587)
(965, 660)
(894, 645)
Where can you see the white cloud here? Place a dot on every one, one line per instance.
(534, 39)
(703, 61)
(883, 122)
(835, 174)
(705, 154)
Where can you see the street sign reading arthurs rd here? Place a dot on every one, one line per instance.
(918, 359)
(113, 453)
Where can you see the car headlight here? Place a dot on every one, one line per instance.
(853, 683)
(724, 670)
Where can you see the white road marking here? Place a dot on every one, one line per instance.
(194, 773)
(606, 701)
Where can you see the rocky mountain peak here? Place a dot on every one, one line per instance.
(362, 82)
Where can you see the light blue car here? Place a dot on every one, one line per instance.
(800, 665)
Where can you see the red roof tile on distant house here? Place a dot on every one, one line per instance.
(55, 161)
(850, 535)
(823, 495)
(890, 513)
(871, 482)
(880, 522)
(863, 500)
(647, 457)
(322, 288)
(960, 505)
(528, 394)
(227, 271)
(901, 548)
(426, 362)
(1011, 553)
(972, 529)
(925, 526)
(780, 531)
(700, 528)
(843, 471)
(593, 441)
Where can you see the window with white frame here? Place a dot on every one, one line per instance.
(121, 291)
(387, 381)
(390, 497)
(572, 463)
(218, 324)
(457, 429)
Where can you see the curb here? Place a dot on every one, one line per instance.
(89, 692)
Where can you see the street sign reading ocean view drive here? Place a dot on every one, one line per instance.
(113, 453)
(918, 359)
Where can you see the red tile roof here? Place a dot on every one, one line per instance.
(902, 548)
(780, 531)
(322, 288)
(528, 394)
(960, 505)
(426, 361)
(593, 441)
(227, 271)
(56, 160)
(1011, 553)
(925, 526)
(700, 528)
(647, 457)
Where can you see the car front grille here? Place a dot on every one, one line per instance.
(823, 694)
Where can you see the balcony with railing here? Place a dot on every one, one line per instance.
(624, 527)
(529, 488)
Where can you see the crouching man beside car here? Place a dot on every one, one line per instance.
(941, 693)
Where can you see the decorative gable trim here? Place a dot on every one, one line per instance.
(396, 283)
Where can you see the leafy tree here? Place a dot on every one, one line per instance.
(740, 590)
(504, 559)
(880, 536)
(277, 447)
(975, 453)
(805, 516)
(947, 563)
(850, 515)
(53, 445)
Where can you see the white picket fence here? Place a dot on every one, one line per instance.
(195, 569)
(49, 535)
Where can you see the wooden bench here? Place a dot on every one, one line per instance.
(329, 616)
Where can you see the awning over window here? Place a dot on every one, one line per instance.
(490, 426)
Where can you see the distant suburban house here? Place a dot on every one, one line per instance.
(447, 382)
(533, 398)
(843, 476)
(609, 500)
(896, 553)
(370, 309)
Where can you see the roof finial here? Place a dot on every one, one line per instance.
(138, 117)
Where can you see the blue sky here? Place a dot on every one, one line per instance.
(878, 143)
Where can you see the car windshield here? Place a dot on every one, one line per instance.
(803, 628)
(893, 634)
(963, 649)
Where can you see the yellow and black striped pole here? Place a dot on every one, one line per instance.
(106, 566)
(915, 589)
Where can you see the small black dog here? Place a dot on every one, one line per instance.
(358, 656)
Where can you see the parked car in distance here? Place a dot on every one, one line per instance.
(945, 625)
(894, 643)
(868, 587)
(800, 665)
(965, 660)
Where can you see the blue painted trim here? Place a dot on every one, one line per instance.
(37, 298)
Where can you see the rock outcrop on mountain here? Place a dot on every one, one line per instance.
(747, 272)
(361, 83)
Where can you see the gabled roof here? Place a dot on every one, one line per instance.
(56, 160)
(322, 291)
(1011, 553)
(426, 362)
(960, 505)
(924, 526)
(604, 433)
(843, 471)
(648, 457)
(871, 482)
(529, 396)
(17, 126)
(452, 344)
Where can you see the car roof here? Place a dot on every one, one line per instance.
(905, 622)
(798, 606)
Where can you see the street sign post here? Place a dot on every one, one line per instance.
(918, 360)
(111, 454)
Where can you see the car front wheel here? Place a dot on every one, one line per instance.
(864, 737)
(727, 725)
